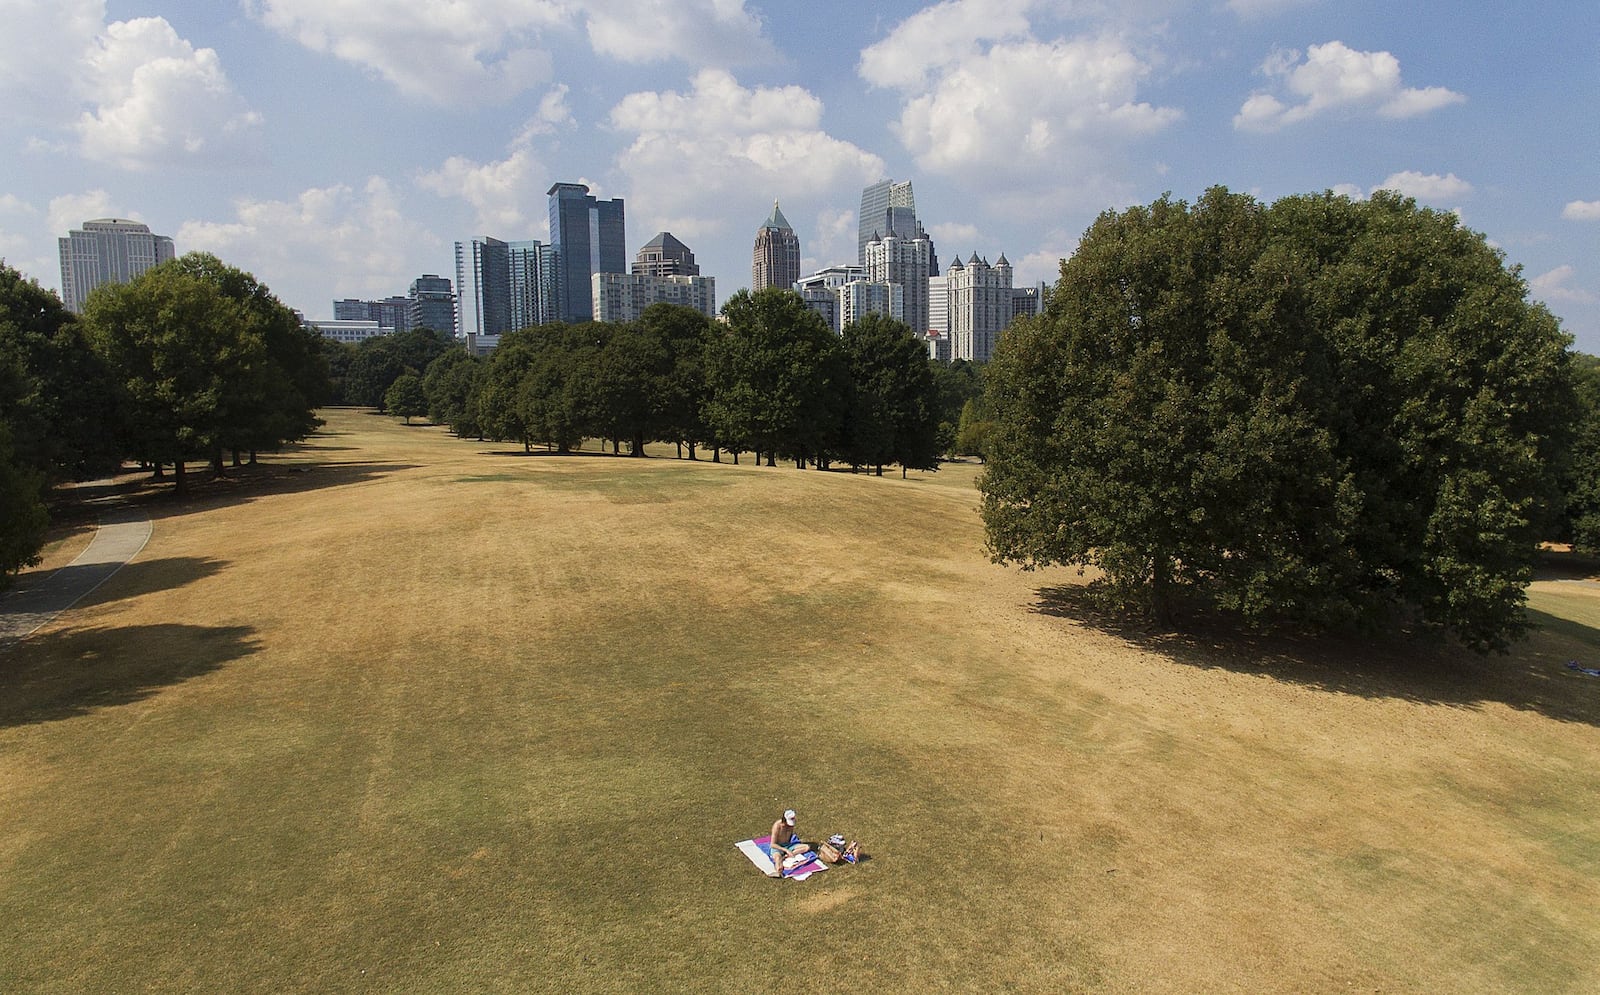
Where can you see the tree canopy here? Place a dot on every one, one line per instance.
(1318, 412)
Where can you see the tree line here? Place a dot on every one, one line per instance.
(192, 360)
(771, 379)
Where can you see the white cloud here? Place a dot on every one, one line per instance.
(551, 116)
(1350, 190)
(985, 100)
(162, 101)
(71, 210)
(1582, 210)
(40, 63)
(489, 51)
(1036, 266)
(1553, 286)
(325, 244)
(694, 152)
(699, 32)
(503, 193)
(942, 35)
(1335, 77)
(1025, 106)
(444, 51)
(1429, 187)
(834, 240)
(951, 236)
(133, 92)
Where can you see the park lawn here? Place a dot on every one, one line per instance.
(406, 713)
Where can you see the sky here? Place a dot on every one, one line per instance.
(338, 148)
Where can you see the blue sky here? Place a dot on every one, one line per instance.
(337, 148)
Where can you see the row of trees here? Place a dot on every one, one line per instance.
(1319, 412)
(773, 380)
(192, 360)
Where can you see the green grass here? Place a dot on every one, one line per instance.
(426, 718)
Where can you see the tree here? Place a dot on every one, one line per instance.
(451, 385)
(23, 519)
(275, 401)
(973, 429)
(777, 377)
(62, 403)
(405, 398)
(893, 413)
(185, 353)
(679, 390)
(1316, 413)
(1581, 478)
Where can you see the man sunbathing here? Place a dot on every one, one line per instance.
(785, 842)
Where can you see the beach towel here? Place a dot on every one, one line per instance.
(759, 850)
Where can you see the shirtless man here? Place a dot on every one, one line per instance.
(785, 842)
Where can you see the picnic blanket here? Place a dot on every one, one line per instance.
(759, 850)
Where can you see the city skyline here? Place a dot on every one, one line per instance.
(280, 134)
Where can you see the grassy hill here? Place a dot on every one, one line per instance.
(406, 713)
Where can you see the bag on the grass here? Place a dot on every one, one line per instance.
(852, 853)
(829, 853)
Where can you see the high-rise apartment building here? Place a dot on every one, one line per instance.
(624, 296)
(432, 304)
(890, 207)
(393, 314)
(107, 250)
(903, 260)
(980, 303)
(820, 291)
(503, 286)
(776, 260)
(860, 298)
(665, 256)
(589, 236)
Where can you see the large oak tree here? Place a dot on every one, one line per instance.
(1316, 412)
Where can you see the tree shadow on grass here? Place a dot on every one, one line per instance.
(78, 585)
(73, 672)
(1533, 676)
(241, 485)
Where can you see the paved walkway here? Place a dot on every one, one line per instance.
(37, 600)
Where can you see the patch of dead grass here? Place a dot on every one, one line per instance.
(435, 718)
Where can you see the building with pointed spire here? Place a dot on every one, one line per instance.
(903, 260)
(979, 304)
(777, 253)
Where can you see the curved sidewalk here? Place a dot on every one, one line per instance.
(122, 533)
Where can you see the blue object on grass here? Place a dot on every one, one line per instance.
(1590, 671)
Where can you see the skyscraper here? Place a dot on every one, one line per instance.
(589, 236)
(107, 250)
(980, 306)
(433, 304)
(504, 286)
(903, 260)
(665, 256)
(625, 296)
(777, 253)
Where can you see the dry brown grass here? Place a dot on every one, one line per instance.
(409, 713)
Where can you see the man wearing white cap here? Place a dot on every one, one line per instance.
(785, 841)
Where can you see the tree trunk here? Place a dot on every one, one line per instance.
(638, 444)
(216, 462)
(879, 472)
(180, 484)
(252, 457)
(159, 473)
(680, 449)
(692, 456)
(772, 458)
(1161, 590)
(238, 459)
